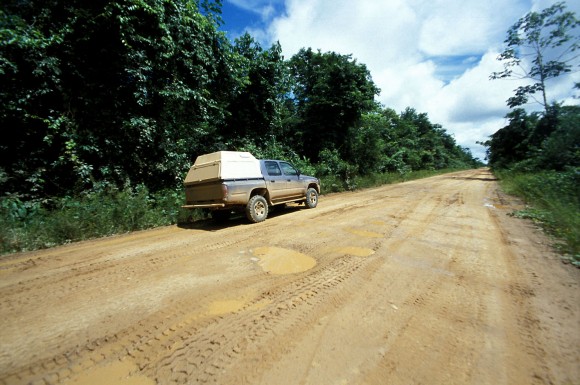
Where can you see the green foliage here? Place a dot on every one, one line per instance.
(537, 155)
(510, 144)
(256, 108)
(100, 212)
(340, 174)
(385, 141)
(116, 91)
(539, 46)
(535, 142)
(330, 94)
(561, 149)
(553, 200)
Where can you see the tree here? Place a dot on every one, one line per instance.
(255, 108)
(540, 46)
(118, 91)
(561, 148)
(331, 92)
(510, 144)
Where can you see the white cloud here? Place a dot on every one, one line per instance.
(373, 31)
(433, 55)
(407, 85)
(463, 27)
(472, 106)
(472, 96)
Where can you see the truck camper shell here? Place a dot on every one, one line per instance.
(223, 165)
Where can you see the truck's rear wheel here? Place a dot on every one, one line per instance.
(257, 209)
(311, 198)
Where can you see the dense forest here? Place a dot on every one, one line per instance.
(538, 140)
(129, 92)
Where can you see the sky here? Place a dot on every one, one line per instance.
(435, 56)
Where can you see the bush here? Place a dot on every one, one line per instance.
(100, 212)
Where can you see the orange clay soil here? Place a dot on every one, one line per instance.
(425, 282)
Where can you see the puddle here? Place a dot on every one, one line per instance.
(277, 260)
(356, 251)
(366, 234)
(119, 373)
(224, 307)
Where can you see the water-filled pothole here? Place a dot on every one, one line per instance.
(277, 260)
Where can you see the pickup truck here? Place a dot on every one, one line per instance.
(228, 181)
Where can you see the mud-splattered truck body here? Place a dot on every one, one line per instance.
(227, 181)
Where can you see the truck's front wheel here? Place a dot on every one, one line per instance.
(257, 209)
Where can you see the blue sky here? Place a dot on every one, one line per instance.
(433, 55)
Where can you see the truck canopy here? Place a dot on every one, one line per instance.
(223, 165)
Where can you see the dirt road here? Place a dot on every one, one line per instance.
(425, 282)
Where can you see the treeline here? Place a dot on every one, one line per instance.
(548, 140)
(128, 93)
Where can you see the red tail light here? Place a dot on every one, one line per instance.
(225, 192)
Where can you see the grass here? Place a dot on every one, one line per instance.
(552, 201)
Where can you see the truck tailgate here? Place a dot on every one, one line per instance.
(202, 193)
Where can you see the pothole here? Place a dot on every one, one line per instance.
(277, 260)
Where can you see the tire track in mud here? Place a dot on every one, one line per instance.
(200, 346)
(99, 270)
(103, 273)
(437, 319)
(294, 310)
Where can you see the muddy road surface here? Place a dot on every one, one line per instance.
(425, 282)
